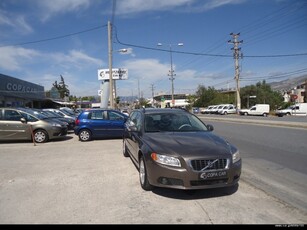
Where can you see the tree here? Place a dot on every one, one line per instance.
(62, 88)
(264, 95)
(207, 96)
(117, 99)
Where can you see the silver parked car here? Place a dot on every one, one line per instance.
(22, 124)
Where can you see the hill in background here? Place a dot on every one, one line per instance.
(288, 84)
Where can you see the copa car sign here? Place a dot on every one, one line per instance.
(117, 74)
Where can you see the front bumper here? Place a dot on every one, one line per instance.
(187, 179)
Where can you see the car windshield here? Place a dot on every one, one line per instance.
(173, 122)
(68, 111)
(36, 114)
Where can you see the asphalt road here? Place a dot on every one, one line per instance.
(73, 182)
(274, 158)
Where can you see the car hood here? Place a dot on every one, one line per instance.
(187, 144)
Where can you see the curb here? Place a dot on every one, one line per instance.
(302, 125)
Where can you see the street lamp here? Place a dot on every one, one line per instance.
(171, 74)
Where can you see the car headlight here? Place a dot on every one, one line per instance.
(56, 125)
(166, 160)
(236, 156)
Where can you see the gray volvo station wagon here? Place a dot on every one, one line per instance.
(174, 148)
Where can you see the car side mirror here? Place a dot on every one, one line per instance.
(210, 127)
(131, 127)
(23, 120)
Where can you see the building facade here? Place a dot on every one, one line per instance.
(165, 100)
(19, 93)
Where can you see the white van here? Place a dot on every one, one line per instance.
(295, 110)
(257, 110)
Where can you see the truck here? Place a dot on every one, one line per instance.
(256, 110)
(299, 109)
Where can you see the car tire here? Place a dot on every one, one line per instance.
(40, 136)
(85, 135)
(143, 175)
(125, 151)
(245, 114)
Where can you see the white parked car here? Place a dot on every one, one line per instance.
(228, 109)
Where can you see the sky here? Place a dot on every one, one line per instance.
(42, 40)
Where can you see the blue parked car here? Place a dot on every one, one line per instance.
(99, 123)
(195, 110)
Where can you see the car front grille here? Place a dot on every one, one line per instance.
(208, 182)
(208, 164)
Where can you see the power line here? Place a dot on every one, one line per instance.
(55, 38)
(204, 54)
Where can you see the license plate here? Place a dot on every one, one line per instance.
(213, 175)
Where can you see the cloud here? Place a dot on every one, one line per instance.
(149, 69)
(218, 3)
(138, 6)
(12, 58)
(18, 23)
(50, 8)
(75, 59)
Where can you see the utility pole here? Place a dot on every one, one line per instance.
(152, 94)
(236, 56)
(111, 98)
(139, 96)
(171, 72)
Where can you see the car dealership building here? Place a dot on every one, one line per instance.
(18, 93)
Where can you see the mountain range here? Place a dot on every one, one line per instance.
(288, 84)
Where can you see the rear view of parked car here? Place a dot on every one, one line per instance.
(20, 124)
(99, 123)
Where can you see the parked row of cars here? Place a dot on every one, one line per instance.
(222, 109)
(29, 124)
(170, 147)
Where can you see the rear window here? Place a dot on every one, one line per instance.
(96, 115)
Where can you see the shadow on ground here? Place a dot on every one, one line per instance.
(196, 194)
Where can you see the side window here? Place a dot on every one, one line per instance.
(28, 117)
(115, 116)
(135, 119)
(138, 121)
(12, 115)
(96, 115)
(1, 114)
